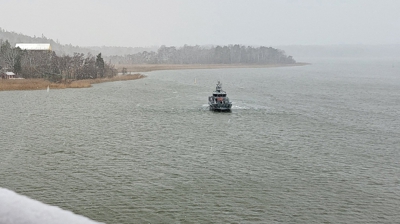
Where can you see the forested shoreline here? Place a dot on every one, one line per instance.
(231, 54)
(55, 65)
(48, 65)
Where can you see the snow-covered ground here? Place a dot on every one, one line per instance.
(18, 209)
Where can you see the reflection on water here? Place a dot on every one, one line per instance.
(317, 143)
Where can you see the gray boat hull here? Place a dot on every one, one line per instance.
(220, 107)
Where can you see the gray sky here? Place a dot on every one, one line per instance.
(140, 23)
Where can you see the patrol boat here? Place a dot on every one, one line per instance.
(219, 101)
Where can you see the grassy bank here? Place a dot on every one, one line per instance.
(36, 84)
(154, 67)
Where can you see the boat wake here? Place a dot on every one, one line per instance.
(247, 106)
(238, 107)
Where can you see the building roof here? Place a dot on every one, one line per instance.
(30, 46)
(10, 73)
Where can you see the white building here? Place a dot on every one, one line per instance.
(9, 75)
(34, 46)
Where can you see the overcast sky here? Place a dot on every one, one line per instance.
(141, 23)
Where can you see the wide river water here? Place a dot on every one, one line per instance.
(309, 144)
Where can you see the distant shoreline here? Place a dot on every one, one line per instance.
(132, 68)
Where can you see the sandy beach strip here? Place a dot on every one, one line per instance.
(40, 84)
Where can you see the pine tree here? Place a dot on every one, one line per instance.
(100, 65)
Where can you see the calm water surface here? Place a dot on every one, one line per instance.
(311, 144)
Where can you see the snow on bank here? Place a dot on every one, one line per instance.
(19, 209)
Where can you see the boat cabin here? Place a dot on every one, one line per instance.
(219, 94)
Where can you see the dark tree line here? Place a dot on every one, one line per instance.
(47, 64)
(232, 54)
